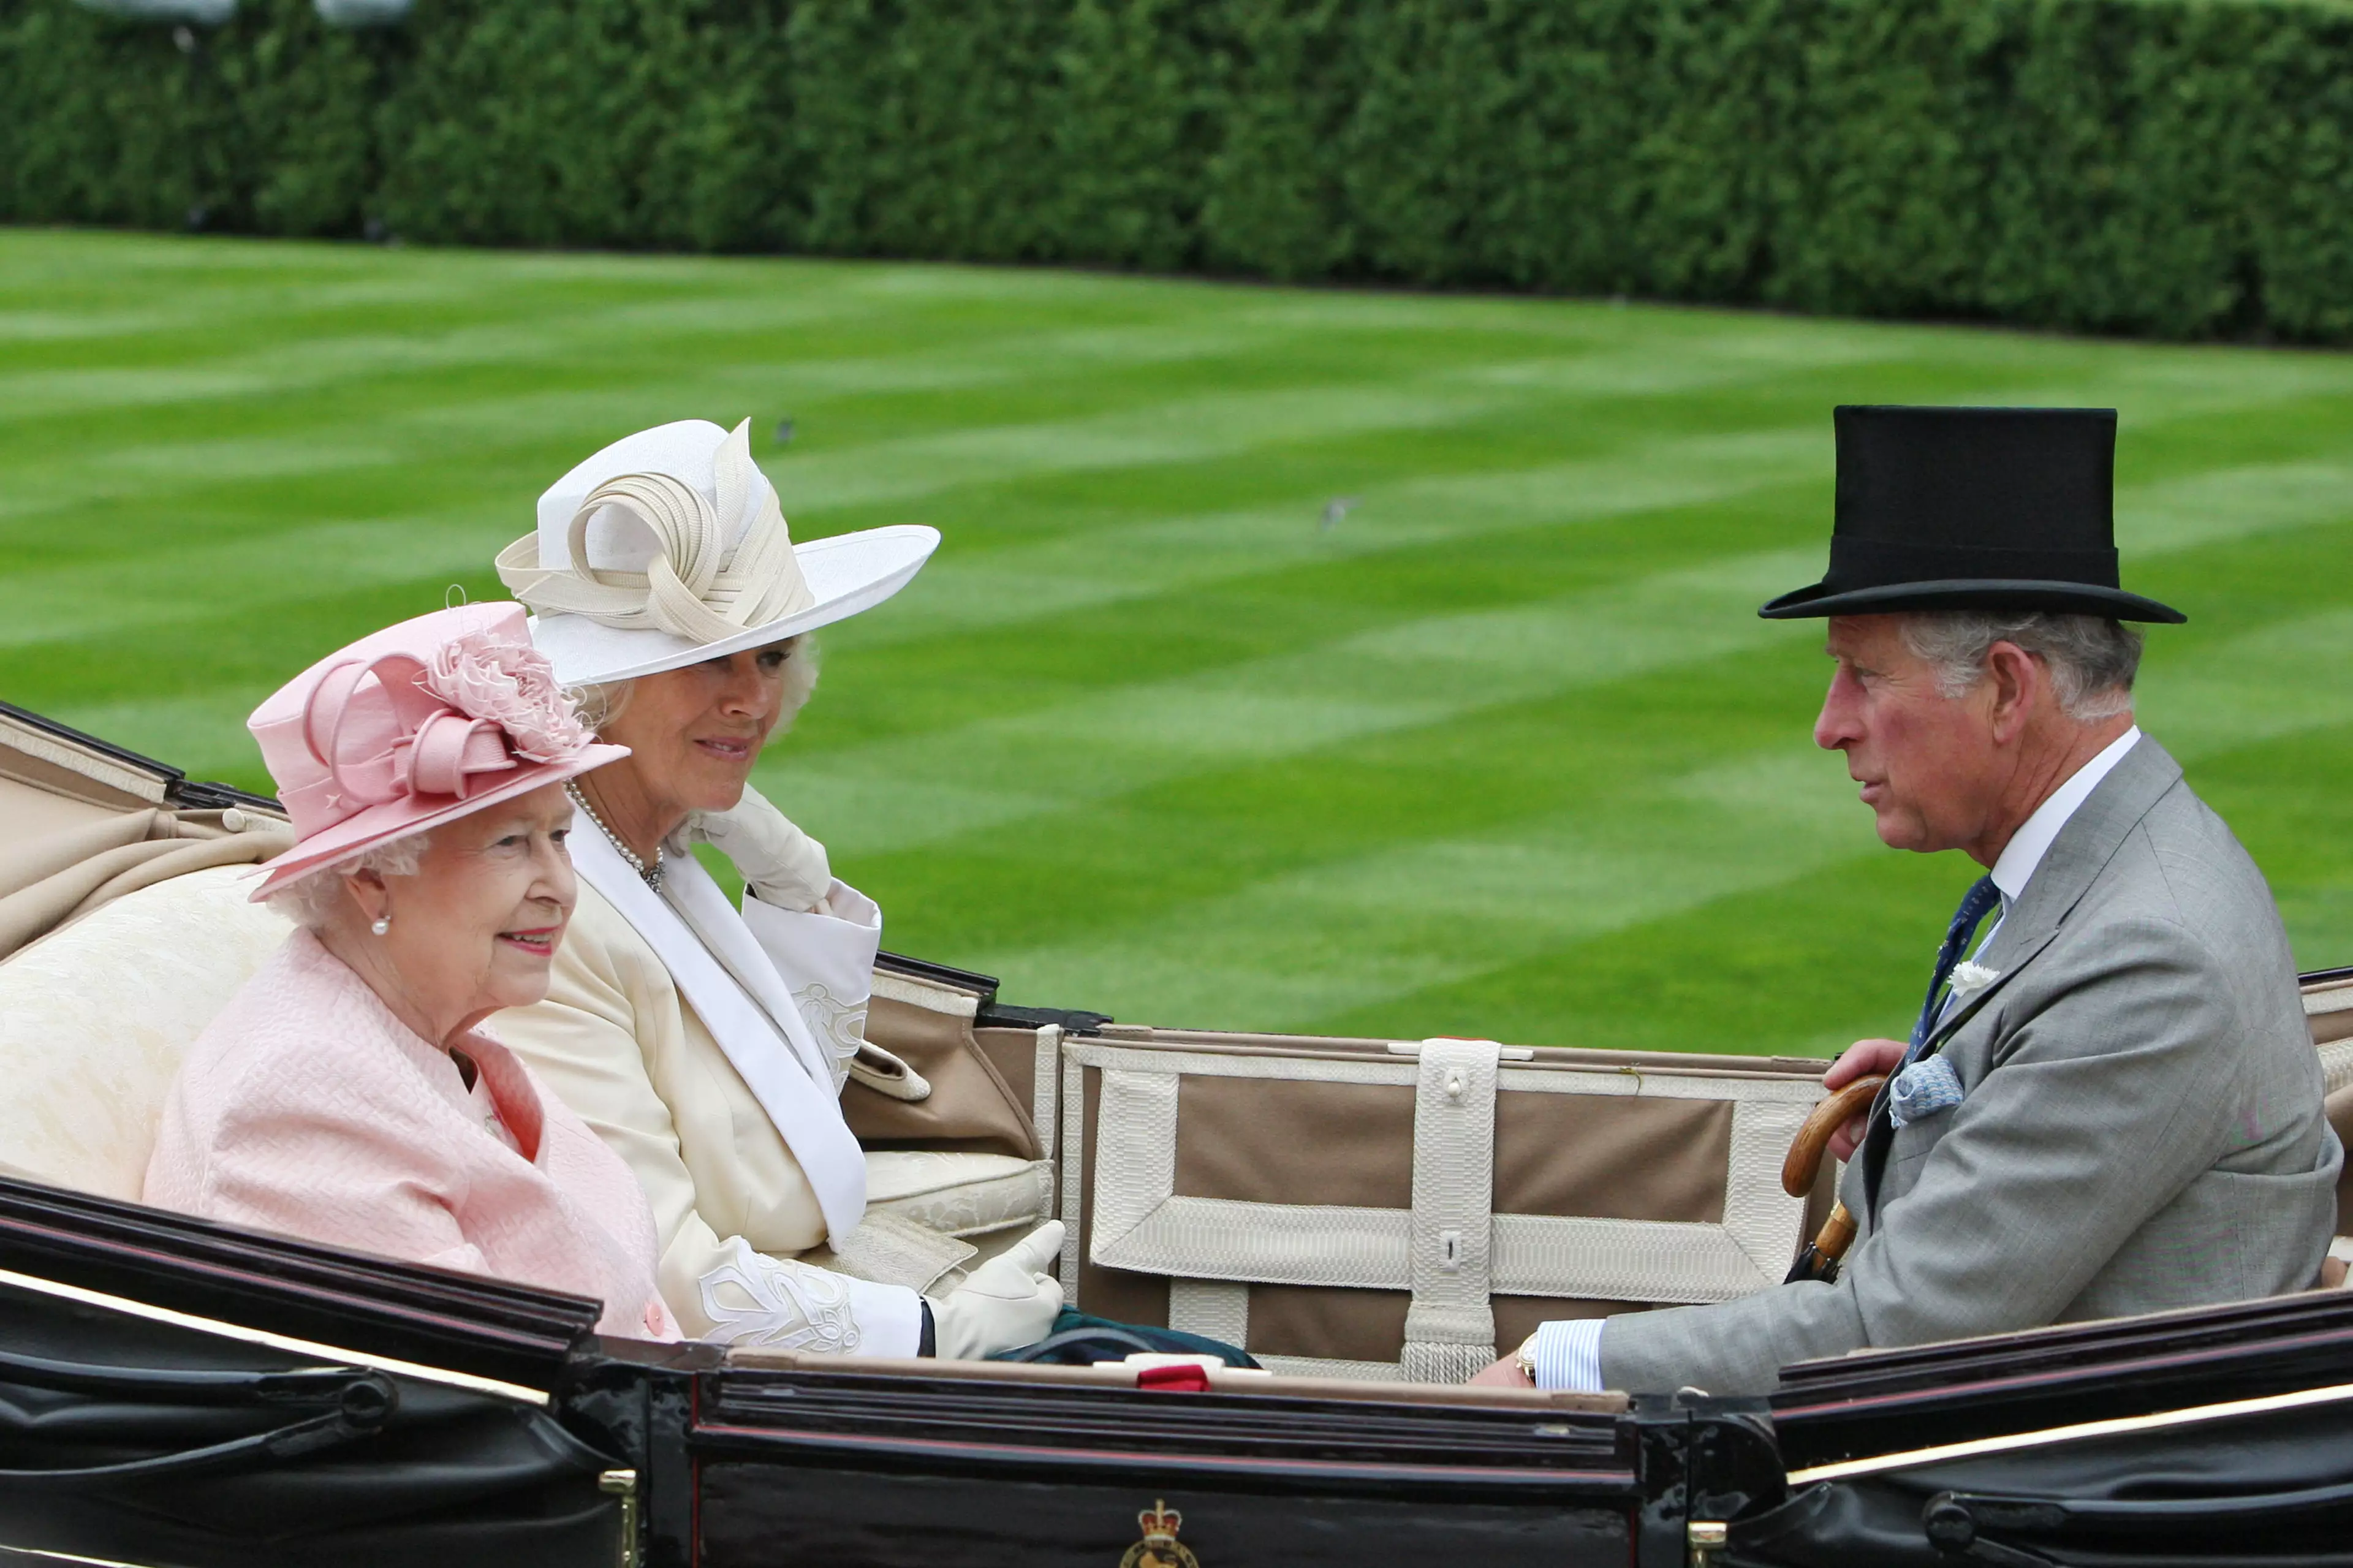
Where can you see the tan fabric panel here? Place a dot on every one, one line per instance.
(1014, 1054)
(26, 863)
(1332, 1325)
(2330, 1028)
(28, 813)
(1112, 1293)
(971, 1108)
(1272, 1142)
(1659, 1158)
(1612, 1156)
(52, 880)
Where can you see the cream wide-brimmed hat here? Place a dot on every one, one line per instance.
(668, 548)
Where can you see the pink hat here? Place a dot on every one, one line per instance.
(412, 727)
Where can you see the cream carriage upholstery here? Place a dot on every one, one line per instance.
(2329, 1009)
(94, 1017)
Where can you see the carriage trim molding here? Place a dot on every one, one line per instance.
(244, 1334)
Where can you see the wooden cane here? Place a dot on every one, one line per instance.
(1820, 1260)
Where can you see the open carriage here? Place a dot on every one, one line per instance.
(1370, 1218)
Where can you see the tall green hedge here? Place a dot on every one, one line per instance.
(2178, 167)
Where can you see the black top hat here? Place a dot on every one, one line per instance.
(1973, 509)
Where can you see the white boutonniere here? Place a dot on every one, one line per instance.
(1970, 978)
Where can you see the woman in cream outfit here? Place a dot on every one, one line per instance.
(708, 1043)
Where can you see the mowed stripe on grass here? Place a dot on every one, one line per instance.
(1501, 750)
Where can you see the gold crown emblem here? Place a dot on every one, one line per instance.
(1159, 1548)
(1160, 1522)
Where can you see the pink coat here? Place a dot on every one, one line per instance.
(306, 1108)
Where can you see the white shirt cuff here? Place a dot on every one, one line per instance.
(892, 1317)
(1567, 1355)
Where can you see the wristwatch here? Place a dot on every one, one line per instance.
(1527, 1358)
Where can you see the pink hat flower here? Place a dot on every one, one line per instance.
(513, 686)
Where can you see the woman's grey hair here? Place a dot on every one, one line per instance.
(311, 900)
(2092, 659)
(600, 705)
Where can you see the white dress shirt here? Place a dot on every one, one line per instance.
(1567, 1355)
(2023, 854)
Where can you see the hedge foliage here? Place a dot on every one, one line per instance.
(2176, 167)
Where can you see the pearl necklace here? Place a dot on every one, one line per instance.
(650, 875)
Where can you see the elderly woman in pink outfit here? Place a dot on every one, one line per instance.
(348, 1094)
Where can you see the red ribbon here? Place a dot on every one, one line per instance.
(1178, 1377)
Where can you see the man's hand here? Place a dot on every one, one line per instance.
(1504, 1373)
(1859, 1060)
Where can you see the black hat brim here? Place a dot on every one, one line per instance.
(1971, 593)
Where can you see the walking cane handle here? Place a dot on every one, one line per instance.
(1805, 1160)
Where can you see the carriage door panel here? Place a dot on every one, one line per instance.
(1400, 1213)
(828, 1463)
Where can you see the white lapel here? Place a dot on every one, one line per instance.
(699, 901)
(715, 961)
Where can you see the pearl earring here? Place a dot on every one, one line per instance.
(383, 924)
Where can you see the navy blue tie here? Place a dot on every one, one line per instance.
(1981, 897)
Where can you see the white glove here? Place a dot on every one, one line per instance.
(1006, 1303)
(785, 866)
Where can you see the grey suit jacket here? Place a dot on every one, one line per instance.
(2142, 1125)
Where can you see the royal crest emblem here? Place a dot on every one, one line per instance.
(1159, 1548)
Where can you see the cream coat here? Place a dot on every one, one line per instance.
(624, 1048)
(308, 1108)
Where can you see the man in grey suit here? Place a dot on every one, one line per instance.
(2112, 1106)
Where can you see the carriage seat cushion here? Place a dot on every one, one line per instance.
(959, 1194)
(95, 1017)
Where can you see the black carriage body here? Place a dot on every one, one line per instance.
(175, 1394)
(179, 1395)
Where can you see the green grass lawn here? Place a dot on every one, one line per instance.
(1505, 751)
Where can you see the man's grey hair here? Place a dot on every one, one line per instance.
(600, 705)
(313, 900)
(2091, 658)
